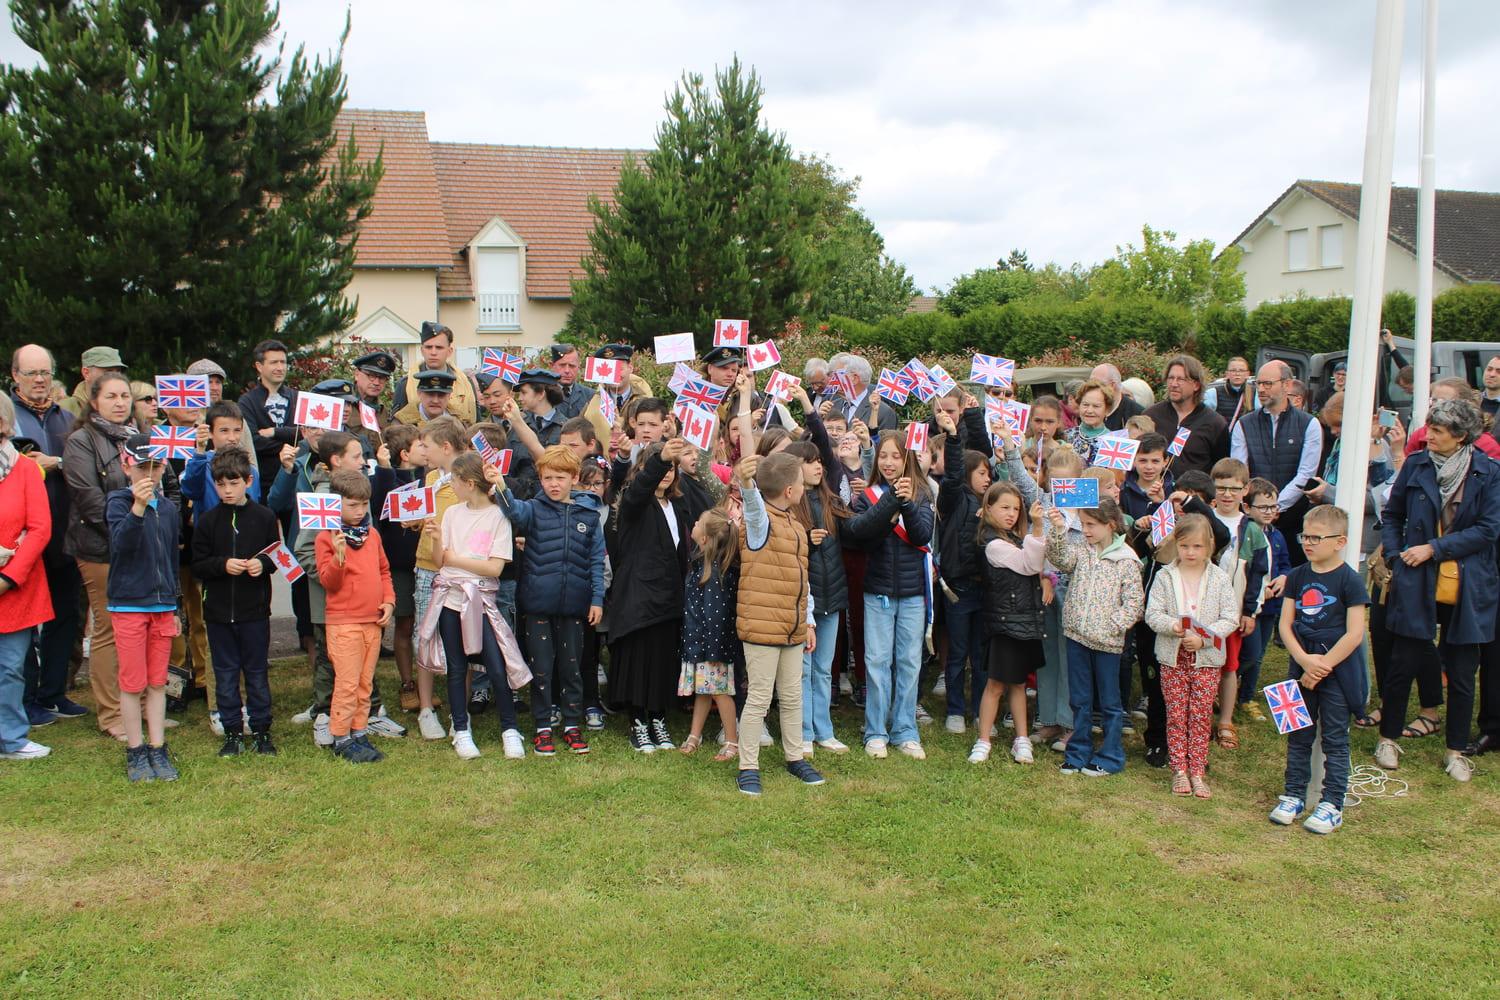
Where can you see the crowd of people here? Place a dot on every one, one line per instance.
(813, 549)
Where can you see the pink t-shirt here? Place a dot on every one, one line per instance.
(474, 534)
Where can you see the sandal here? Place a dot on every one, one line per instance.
(691, 744)
(1228, 736)
(730, 751)
(1419, 727)
(1368, 720)
(1180, 785)
(1200, 787)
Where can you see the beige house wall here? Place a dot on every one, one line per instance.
(1264, 263)
(540, 322)
(410, 294)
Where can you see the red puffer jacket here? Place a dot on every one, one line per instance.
(24, 508)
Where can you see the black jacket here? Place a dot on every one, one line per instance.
(825, 563)
(958, 519)
(226, 533)
(894, 568)
(91, 466)
(1012, 601)
(268, 448)
(648, 569)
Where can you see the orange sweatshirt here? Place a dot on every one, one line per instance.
(357, 589)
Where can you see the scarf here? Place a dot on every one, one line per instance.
(1451, 470)
(354, 534)
(118, 433)
(8, 456)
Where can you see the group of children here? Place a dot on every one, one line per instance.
(734, 593)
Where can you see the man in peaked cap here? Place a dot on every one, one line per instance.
(432, 398)
(565, 364)
(372, 373)
(95, 361)
(631, 386)
(437, 355)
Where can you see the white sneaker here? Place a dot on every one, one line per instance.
(833, 746)
(940, 689)
(1458, 767)
(514, 748)
(429, 725)
(170, 723)
(923, 719)
(765, 739)
(954, 723)
(876, 748)
(463, 745)
(1386, 754)
(720, 738)
(245, 721)
(383, 725)
(845, 687)
(31, 750)
(1020, 750)
(321, 735)
(912, 749)
(980, 753)
(303, 717)
(214, 725)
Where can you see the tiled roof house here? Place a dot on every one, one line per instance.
(483, 238)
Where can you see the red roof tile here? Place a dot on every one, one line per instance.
(405, 227)
(540, 192)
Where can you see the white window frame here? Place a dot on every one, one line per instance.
(1337, 229)
(1306, 239)
(497, 310)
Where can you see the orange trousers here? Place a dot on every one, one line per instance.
(353, 650)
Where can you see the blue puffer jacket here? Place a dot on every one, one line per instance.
(894, 568)
(563, 562)
(143, 558)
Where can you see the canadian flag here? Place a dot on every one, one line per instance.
(602, 370)
(314, 410)
(414, 504)
(916, 436)
(368, 418)
(782, 385)
(731, 332)
(763, 356)
(282, 559)
(698, 426)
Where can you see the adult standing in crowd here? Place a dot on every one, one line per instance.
(815, 376)
(270, 408)
(1296, 394)
(1489, 399)
(95, 362)
(1124, 406)
(576, 394)
(1232, 396)
(92, 468)
(1281, 444)
(437, 355)
(1183, 407)
(1334, 384)
(43, 423)
(631, 386)
(433, 398)
(25, 532)
(372, 373)
(1444, 508)
(858, 407)
(216, 377)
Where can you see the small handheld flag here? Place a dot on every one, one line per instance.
(282, 559)
(892, 388)
(1115, 453)
(182, 392)
(1017, 416)
(763, 356)
(782, 385)
(698, 426)
(368, 418)
(506, 367)
(608, 408)
(1078, 494)
(916, 436)
(314, 410)
(416, 504)
(320, 511)
(1287, 706)
(699, 393)
(989, 369)
(672, 347)
(731, 333)
(1163, 522)
(1178, 440)
(681, 375)
(169, 442)
(603, 370)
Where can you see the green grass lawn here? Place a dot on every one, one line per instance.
(622, 875)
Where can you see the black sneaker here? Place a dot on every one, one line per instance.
(263, 744)
(858, 697)
(660, 736)
(138, 765)
(640, 738)
(367, 751)
(67, 709)
(748, 781)
(344, 747)
(1156, 756)
(804, 772)
(161, 764)
(234, 745)
(542, 745)
(1066, 768)
(575, 741)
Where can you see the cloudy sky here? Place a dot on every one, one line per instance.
(1059, 127)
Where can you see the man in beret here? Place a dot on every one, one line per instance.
(95, 361)
(372, 373)
(565, 363)
(437, 355)
(631, 386)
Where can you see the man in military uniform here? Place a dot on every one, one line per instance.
(372, 373)
(631, 386)
(721, 366)
(437, 355)
(434, 397)
(576, 394)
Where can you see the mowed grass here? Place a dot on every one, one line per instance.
(619, 875)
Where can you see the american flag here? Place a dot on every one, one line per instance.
(172, 442)
(487, 451)
(1163, 522)
(1287, 706)
(892, 387)
(282, 559)
(1178, 440)
(1115, 452)
(182, 392)
(319, 511)
(990, 369)
(501, 365)
(699, 393)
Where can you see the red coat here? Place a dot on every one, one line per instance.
(24, 507)
(1486, 443)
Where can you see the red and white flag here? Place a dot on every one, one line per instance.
(763, 356)
(281, 558)
(672, 347)
(681, 375)
(731, 333)
(415, 504)
(602, 370)
(916, 436)
(314, 410)
(698, 426)
(368, 418)
(782, 385)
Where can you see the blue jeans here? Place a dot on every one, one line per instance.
(893, 657)
(450, 631)
(1052, 678)
(1330, 710)
(1251, 653)
(1088, 670)
(817, 679)
(966, 641)
(14, 727)
(505, 600)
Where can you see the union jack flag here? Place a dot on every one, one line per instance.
(1163, 523)
(990, 369)
(941, 380)
(921, 379)
(1115, 453)
(501, 365)
(704, 394)
(319, 511)
(182, 392)
(681, 375)
(1178, 440)
(893, 387)
(608, 408)
(172, 442)
(1287, 706)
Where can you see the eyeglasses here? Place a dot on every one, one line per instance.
(146, 399)
(1305, 539)
(1265, 508)
(36, 373)
(998, 391)
(1229, 489)
(1266, 383)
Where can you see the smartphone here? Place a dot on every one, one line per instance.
(1387, 417)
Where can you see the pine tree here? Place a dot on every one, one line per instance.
(711, 225)
(154, 197)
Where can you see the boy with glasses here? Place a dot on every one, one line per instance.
(1246, 560)
(1323, 626)
(1262, 508)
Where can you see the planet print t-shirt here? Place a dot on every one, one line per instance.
(474, 534)
(1322, 602)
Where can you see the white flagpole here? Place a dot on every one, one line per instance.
(1426, 215)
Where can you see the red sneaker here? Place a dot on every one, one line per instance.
(575, 741)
